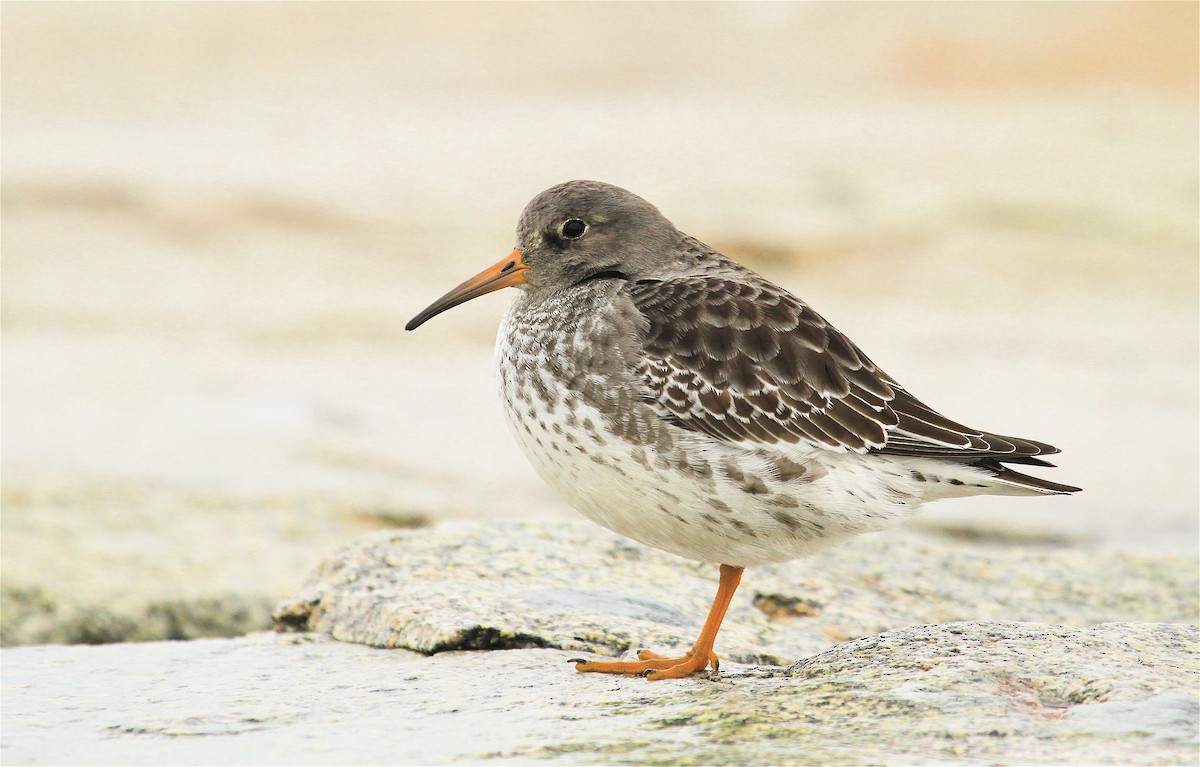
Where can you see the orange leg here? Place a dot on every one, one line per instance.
(654, 666)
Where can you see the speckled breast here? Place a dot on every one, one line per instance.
(566, 375)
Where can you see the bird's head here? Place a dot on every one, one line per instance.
(569, 234)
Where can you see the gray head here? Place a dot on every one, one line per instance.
(576, 229)
(571, 232)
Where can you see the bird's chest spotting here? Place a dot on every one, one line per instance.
(565, 389)
(572, 404)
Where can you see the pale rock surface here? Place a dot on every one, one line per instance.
(1015, 684)
(980, 693)
(579, 587)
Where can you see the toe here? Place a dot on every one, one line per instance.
(686, 667)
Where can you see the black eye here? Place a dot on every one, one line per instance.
(573, 228)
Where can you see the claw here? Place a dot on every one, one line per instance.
(653, 666)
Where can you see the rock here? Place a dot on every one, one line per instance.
(578, 587)
(33, 615)
(984, 693)
(981, 690)
(122, 562)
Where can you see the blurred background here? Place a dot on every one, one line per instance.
(218, 217)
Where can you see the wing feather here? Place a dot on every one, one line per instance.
(733, 356)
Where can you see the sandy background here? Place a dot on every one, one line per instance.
(218, 217)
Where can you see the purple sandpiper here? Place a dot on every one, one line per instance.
(678, 398)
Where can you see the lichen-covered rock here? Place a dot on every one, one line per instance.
(34, 615)
(129, 562)
(582, 588)
(985, 690)
(978, 693)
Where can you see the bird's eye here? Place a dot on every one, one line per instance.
(573, 228)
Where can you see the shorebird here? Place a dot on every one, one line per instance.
(680, 399)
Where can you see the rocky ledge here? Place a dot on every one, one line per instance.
(892, 649)
(578, 587)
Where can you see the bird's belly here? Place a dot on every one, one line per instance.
(687, 495)
(603, 476)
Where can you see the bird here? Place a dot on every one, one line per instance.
(680, 399)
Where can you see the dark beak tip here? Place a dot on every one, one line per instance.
(418, 321)
(501, 275)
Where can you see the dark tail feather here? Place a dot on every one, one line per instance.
(1017, 479)
(1028, 460)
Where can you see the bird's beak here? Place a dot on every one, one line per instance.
(507, 272)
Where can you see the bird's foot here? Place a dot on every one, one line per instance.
(652, 665)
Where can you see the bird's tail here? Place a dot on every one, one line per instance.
(1025, 483)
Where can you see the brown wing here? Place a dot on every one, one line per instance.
(739, 359)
